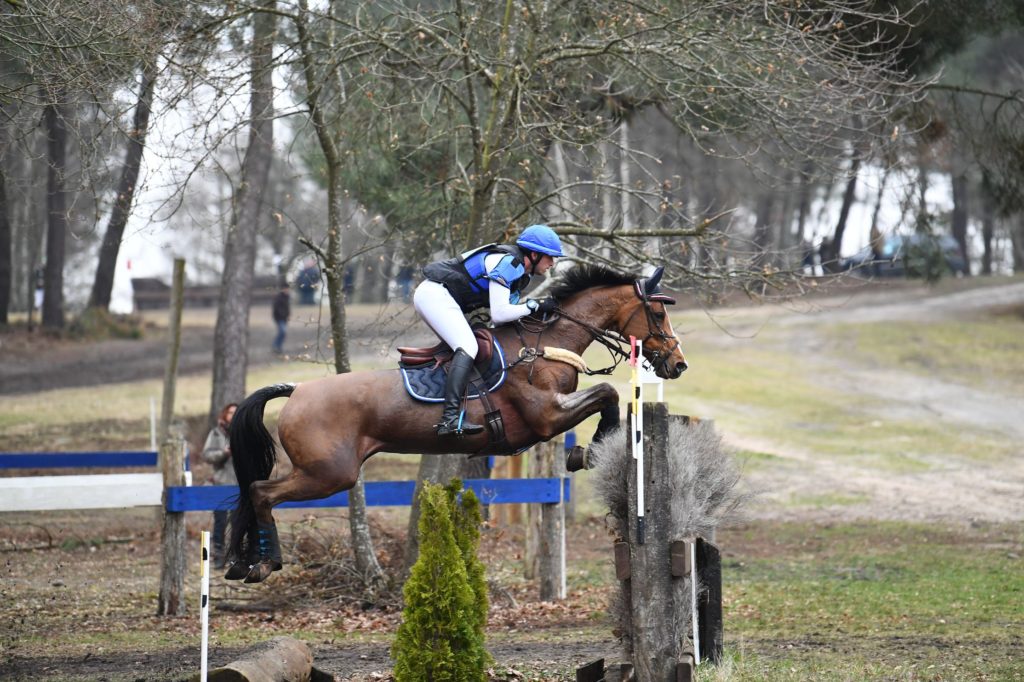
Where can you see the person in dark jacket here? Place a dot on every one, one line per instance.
(282, 310)
(217, 453)
(492, 276)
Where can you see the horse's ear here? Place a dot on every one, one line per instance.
(651, 283)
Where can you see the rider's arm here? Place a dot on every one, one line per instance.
(500, 274)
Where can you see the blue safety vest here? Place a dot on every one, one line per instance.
(466, 279)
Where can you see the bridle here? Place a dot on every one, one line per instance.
(654, 328)
(613, 341)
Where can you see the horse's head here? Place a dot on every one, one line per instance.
(646, 318)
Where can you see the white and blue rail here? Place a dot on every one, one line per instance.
(114, 491)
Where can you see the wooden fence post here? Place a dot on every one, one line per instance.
(551, 545)
(173, 348)
(544, 557)
(173, 560)
(651, 587)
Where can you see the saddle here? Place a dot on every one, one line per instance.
(440, 354)
(423, 373)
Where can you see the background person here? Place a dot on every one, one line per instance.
(281, 311)
(307, 282)
(217, 452)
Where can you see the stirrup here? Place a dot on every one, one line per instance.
(457, 427)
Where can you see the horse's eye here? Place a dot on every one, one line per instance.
(658, 316)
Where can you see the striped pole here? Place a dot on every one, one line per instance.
(693, 601)
(635, 358)
(204, 602)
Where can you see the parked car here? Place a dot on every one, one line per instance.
(916, 255)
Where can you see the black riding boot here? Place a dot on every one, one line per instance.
(454, 387)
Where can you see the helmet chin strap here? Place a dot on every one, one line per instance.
(532, 261)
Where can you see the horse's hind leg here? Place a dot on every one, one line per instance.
(299, 485)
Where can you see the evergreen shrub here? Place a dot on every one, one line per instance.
(441, 637)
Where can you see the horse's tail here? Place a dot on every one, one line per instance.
(252, 454)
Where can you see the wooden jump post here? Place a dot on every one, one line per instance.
(670, 613)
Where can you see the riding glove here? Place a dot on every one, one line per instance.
(544, 305)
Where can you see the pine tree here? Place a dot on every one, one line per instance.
(467, 521)
(440, 638)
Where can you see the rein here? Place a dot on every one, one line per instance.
(612, 341)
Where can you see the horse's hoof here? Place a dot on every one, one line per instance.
(262, 570)
(237, 571)
(576, 460)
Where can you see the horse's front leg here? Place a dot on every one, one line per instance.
(566, 410)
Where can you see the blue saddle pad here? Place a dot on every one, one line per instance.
(427, 383)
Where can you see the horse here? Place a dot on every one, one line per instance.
(329, 427)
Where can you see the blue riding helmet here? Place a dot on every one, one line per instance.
(542, 239)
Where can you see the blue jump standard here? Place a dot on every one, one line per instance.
(381, 494)
(76, 460)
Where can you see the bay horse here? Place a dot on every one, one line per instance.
(330, 426)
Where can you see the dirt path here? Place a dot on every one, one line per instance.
(34, 362)
(951, 488)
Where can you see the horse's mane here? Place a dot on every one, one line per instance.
(584, 276)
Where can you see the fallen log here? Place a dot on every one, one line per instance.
(281, 659)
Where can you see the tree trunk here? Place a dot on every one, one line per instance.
(104, 281)
(782, 236)
(1017, 242)
(608, 218)
(231, 335)
(763, 227)
(316, 83)
(6, 247)
(804, 207)
(625, 197)
(709, 202)
(959, 218)
(830, 260)
(281, 659)
(988, 230)
(57, 214)
(988, 223)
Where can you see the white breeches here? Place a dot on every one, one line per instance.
(437, 307)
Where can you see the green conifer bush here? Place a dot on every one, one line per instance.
(467, 521)
(441, 638)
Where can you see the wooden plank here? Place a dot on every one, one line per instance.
(709, 604)
(591, 672)
(96, 491)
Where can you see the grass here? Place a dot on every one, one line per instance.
(873, 601)
(761, 387)
(982, 352)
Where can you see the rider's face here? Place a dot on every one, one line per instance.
(543, 264)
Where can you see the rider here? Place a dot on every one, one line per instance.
(491, 276)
